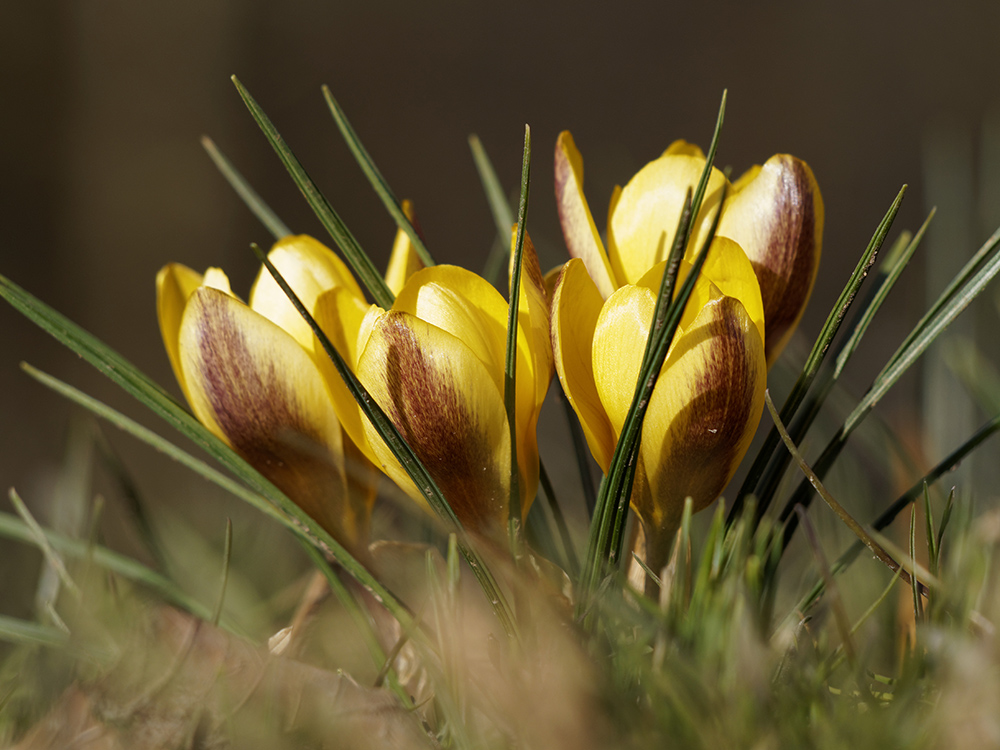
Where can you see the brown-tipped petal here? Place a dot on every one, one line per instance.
(446, 405)
(404, 261)
(310, 268)
(253, 385)
(579, 230)
(175, 283)
(576, 306)
(703, 412)
(642, 226)
(776, 216)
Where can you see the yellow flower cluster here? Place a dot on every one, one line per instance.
(255, 374)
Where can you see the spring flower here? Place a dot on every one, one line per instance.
(434, 362)
(774, 213)
(709, 396)
(253, 375)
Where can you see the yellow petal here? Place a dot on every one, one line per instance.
(440, 396)
(341, 315)
(619, 343)
(681, 147)
(641, 229)
(728, 268)
(579, 230)
(253, 385)
(776, 215)
(576, 305)
(175, 283)
(703, 412)
(404, 261)
(310, 268)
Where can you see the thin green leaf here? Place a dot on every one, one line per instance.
(41, 541)
(250, 197)
(932, 551)
(331, 221)
(375, 177)
(839, 613)
(812, 366)
(899, 256)
(227, 553)
(133, 381)
(14, 528)
(403, 453)
(27, 633)
(976, 275)
(835, 506)
(503, 217)
(917, 607)
(945, 518)
(572, 565)
(580, 452)
(889, 514)
(713, 147)
(510, 361)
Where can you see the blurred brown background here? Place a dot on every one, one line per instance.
(102, 103)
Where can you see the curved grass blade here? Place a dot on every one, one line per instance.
(375, 177)
(812, 366)
(975, 276)
(250, 197)
(404, 454)
(510, 361)
(867, 539)
(887, 516)
(331, 221)
(134, 382)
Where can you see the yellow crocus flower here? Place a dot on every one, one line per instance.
(253, 374)
(774, 212)
(434, 362)
(709, 396)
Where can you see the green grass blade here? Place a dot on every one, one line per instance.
(13, 630)
(963, 279)
(713, 147)
(250, 197)
(975, 276)
(510, 362)
(869, 541)
(12, 527)
(404, 454)
(813, 363)
(572, 566)
(503, 217)
(887, 516)
(331, 221)
(888, 275)
(580, 452)
(375, 177)
(124, 374)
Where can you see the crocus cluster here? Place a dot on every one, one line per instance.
(750, 294)
(255, 374)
